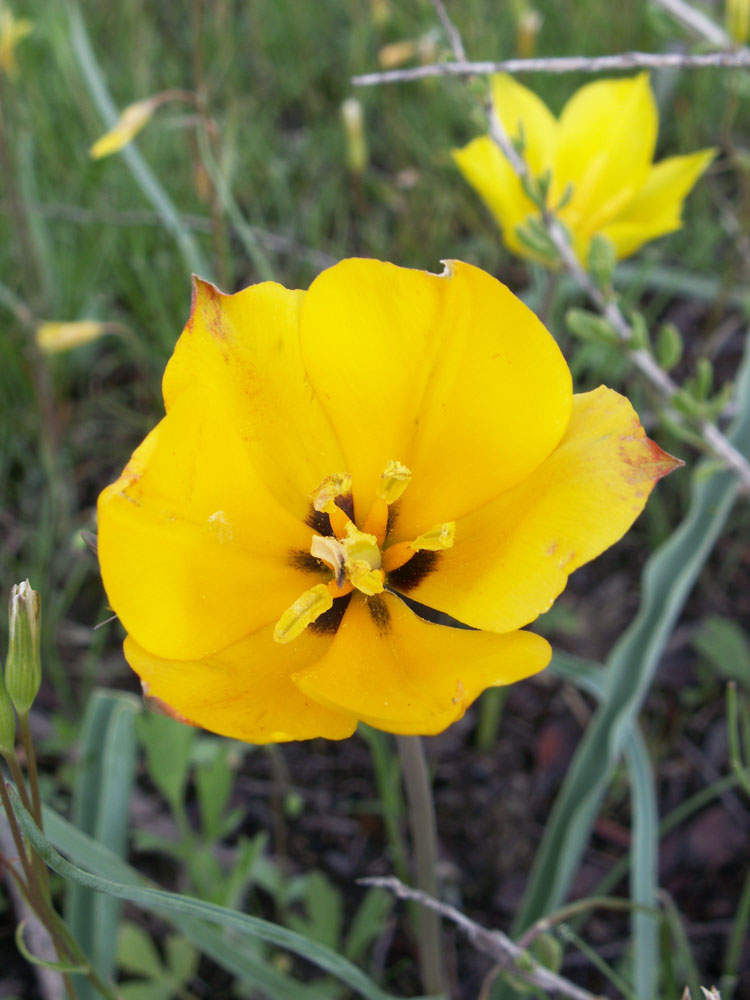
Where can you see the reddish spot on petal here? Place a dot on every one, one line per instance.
(155, 704)
(552, 549)
(643, 460)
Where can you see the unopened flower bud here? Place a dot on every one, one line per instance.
(527, 31)
(23, 668)
(356, 144)
(7, 720)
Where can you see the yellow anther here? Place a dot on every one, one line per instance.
(333, 486)
(311, 605)
(362, 560)
(366, 579)
(439, 537)
(394, 480)
(359, 546)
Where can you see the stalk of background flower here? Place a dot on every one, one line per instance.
(598, 161)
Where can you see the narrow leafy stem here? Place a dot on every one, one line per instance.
(421, 811)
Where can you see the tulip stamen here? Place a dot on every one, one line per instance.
(355, 556)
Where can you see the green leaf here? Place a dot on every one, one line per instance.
(168, 745)
(602, 260)
(368, 923)
(324, 913)
(162, 902)
(101, 804)
(669, 346)
(590, 326)
(214, 781)
(137, 953)
(726, 646)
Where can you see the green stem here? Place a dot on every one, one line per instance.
(28, 746)
(730, 978)
(491, 707)
(421, 809)
(23, 855)
(15, 769)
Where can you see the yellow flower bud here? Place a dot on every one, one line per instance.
(737, 17)
(23, 668)
(11, 33)
(53, 338)
(396, 54)
(356, 144)
(527, 31)
(132, 119)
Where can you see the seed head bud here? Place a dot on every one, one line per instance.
(23, 668)
(356, 144)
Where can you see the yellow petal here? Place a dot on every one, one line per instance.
(195, 552)
(524, 114)
(451, 375)
(497, 184)
(657, 207)
(244, 349)
(244, 692)
(511, 559)
(397, 672)
(606, 146)
(132, 119)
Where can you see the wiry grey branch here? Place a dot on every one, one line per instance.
(696, 21)
(561, 64)
(454, 35)
(497, 945)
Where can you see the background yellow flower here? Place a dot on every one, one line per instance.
(599, 154)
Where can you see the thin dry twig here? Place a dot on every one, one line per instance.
(460, 66)
(452, 32)
(497, 945)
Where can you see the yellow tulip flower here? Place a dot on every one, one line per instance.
(599, 154)
(389, 433)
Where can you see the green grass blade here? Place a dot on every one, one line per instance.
(644, 853)
(100, 808)
(667, 580)
(162, 902)
(235, 955)
(142, 173)
(644, 849)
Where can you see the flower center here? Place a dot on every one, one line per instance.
(359, 559)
